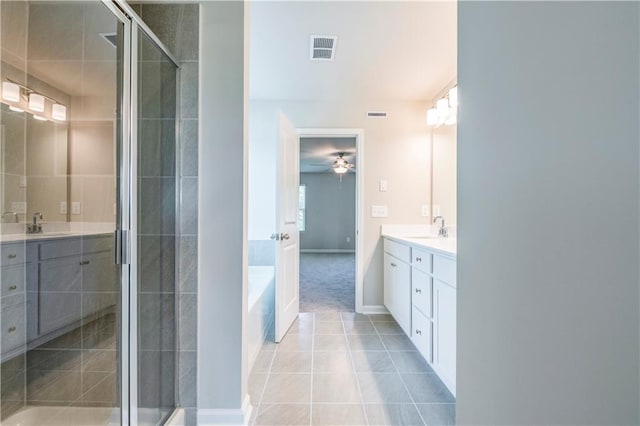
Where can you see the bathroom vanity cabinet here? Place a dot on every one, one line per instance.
(420, 293)
(50, 285)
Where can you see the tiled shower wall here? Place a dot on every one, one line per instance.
(177, 26)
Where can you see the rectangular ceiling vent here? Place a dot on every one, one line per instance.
(377, 114)
(323, 48)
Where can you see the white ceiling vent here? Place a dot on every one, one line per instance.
(323, 48)
(377, 114)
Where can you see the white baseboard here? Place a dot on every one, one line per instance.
(226, 417)
(326, 251)
(374, 309)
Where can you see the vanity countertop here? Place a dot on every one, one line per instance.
(13, 238)
(421, 237)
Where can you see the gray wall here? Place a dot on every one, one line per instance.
(330, 212)
(548, 213)
(222, 247)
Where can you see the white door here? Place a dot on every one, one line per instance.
(287, 235)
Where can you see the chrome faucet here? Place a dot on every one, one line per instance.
(35, 227)
(14, 214)
(442, 231)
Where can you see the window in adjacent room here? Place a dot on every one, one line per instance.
(301, 206)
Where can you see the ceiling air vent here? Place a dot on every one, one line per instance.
(323, 48)
(377, 114)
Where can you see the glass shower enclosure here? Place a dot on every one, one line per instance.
(89, 209)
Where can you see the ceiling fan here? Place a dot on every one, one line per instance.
(342, 166)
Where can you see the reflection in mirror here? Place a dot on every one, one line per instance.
(444, 166)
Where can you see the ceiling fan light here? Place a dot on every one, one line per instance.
(340, 169)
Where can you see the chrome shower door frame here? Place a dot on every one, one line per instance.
(127, 226)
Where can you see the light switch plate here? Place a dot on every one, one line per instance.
(75, 207)
(23, 181)
(19, 207)
(63, 207)
(384, 185)
(436, 210)
(425, 210)
(379, 211)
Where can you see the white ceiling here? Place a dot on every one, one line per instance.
(318, 154)
(385, 50)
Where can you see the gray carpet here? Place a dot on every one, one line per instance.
(327, 282)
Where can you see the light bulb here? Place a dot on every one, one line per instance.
(443, 107)
(39, 117)
(59, 112)
(10, 91)
(36, 102)
(453, 97)
(15, 109)
(432, 117)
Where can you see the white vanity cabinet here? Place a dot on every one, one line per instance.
(420, 293)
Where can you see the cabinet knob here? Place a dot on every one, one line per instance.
(418, 259)
(393, 264)
(418, 291)
(85, 262)
(12, 329)
(13, 287)
(13, 256)
(418, 331)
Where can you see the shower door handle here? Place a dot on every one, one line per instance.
(122, 247)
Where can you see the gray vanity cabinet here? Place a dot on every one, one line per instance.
(14, 270)
(77, 280)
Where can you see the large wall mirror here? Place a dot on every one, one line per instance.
(444, 169)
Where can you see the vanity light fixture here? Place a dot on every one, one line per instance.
(446, 110)
(36, 102)
(59, 112)
(10, 91)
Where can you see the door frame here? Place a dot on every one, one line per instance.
(358, 134)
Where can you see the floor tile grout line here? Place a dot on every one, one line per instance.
(313, 342)
(264, 386)
(355, 374)
(415, 406)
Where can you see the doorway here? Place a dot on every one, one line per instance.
(331, 177)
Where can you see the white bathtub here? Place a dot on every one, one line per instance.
(261, 308)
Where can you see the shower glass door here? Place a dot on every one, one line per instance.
(156, 223)
(88, 225)
(64, 117)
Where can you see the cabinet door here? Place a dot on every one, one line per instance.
(99, 283)
(388, 283)
(397, 290)
(60, 293)
(445, 338)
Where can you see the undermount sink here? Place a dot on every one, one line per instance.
(424, 237)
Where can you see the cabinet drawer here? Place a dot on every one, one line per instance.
(98, 243)
(421, 259)
(421, 334)
(444, 269)
(398, 250)
(13, 254)
(421, 291)
(14, 320)
(60, 248)
(12, 280)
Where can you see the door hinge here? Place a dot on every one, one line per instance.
(122, 247)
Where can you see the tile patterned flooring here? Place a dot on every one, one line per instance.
(344, 368)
